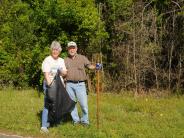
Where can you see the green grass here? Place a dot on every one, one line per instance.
(121, 116)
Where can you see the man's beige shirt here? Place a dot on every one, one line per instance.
(76, 68)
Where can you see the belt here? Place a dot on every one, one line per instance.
(74, 81)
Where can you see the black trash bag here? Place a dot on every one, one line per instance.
(58, 101)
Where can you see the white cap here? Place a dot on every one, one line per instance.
(72, 44)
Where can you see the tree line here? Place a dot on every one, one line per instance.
(140, 42)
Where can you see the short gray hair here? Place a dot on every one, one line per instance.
(55, 45)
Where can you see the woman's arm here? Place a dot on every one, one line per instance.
(47, 78)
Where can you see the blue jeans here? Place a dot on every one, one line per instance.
(77, 92)
(45, 116)
(45, 110)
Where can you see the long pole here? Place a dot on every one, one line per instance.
(98, 80)
(97, 97)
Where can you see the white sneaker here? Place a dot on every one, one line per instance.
(44, 130)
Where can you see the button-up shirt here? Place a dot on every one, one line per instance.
(76, 67)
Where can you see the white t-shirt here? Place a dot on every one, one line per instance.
(52, 65)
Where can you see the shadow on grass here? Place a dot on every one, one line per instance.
(66, 118)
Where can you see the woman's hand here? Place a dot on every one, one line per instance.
(62, 72)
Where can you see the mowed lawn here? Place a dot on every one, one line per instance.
(121, 116)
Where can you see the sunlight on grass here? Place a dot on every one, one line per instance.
(121, 116)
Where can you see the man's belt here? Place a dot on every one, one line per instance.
(71, 81)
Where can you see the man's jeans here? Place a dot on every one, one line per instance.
(77, 91)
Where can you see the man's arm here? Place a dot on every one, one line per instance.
(91, 66)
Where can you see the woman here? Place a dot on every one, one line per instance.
(53, 87)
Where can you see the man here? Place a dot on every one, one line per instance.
(75, 81)
(50, 67)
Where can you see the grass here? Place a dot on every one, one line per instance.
(121, 116)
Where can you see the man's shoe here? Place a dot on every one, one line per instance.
(85, 124)
(44, 130)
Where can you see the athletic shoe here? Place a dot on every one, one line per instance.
(44, 130)
(84, 124)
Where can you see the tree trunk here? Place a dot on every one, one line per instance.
(134, 53)
(154, 59)
(179, 75)
(171, 53)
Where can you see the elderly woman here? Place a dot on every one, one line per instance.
(50, 66)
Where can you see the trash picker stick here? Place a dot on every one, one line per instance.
(97, 97)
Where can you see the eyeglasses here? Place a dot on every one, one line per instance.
(56, 49)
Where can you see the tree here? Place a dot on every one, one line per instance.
(30, 26)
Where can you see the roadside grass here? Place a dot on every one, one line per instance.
(121, 116)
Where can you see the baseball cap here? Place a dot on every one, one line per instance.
(72, 44)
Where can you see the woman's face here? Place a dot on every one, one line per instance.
(72, 50)
(55, 53)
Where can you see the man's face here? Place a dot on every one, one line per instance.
(72, 50)
(55, 53)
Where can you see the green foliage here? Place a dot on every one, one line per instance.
(27, 28)
(17, 38)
